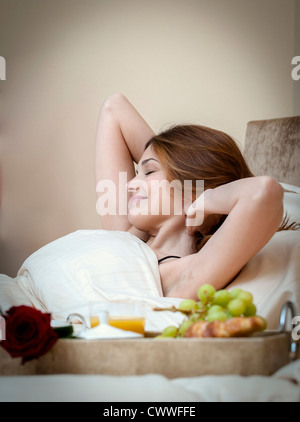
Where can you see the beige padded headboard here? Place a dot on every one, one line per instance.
(272, 147)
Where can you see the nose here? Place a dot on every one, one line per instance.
(132, 185)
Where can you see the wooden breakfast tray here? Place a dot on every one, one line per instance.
(262, 354)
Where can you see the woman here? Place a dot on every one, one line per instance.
(241, 211)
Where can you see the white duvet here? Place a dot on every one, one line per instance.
(90, 266)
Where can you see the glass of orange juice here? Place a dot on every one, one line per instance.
(98, 313)
(127, 316)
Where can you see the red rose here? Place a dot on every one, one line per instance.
(28, 333)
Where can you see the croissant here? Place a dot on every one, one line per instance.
(234, 327)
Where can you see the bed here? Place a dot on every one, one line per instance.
(265, 373)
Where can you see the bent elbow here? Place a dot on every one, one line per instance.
(270, 197)
(113, 102)
(270, 190)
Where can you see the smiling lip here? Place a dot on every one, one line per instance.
(136, 198)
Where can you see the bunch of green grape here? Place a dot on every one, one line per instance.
(212, 305)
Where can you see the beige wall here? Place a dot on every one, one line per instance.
(296, 87)
(220, 63)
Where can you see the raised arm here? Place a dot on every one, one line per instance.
(121, 137)
(254, 207)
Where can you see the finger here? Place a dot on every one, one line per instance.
(195, 220)
(196, 206)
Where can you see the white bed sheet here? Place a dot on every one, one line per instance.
(283, 386)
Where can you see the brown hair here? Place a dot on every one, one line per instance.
(194, 152)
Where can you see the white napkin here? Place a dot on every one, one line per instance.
(105, 331)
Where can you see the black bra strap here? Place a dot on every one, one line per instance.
(166, 257)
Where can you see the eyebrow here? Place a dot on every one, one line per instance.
(144, 162)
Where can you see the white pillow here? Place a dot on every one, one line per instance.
(273, 276)
(291, 201)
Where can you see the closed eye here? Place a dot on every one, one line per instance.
(143, 164)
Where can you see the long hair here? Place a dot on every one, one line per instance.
(194, 152)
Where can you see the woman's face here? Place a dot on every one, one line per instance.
(153, 198)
